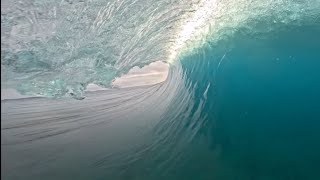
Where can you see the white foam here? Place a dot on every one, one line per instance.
(193, 28)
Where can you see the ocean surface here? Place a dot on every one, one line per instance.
(241, 100)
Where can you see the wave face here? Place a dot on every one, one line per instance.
(241, 100)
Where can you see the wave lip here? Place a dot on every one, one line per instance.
(55, 49)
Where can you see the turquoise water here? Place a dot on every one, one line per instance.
(244, 106)
(262, 106)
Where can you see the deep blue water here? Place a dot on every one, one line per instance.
(262, 107)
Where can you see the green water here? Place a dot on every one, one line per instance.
(262, 107)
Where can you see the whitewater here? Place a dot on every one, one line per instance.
(53, 49)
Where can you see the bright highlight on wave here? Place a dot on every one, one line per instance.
(194, 26)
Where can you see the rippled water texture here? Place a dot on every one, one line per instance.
(241, 100)
(54, 48)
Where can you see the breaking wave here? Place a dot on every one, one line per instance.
(54, 48)
(241, 100)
